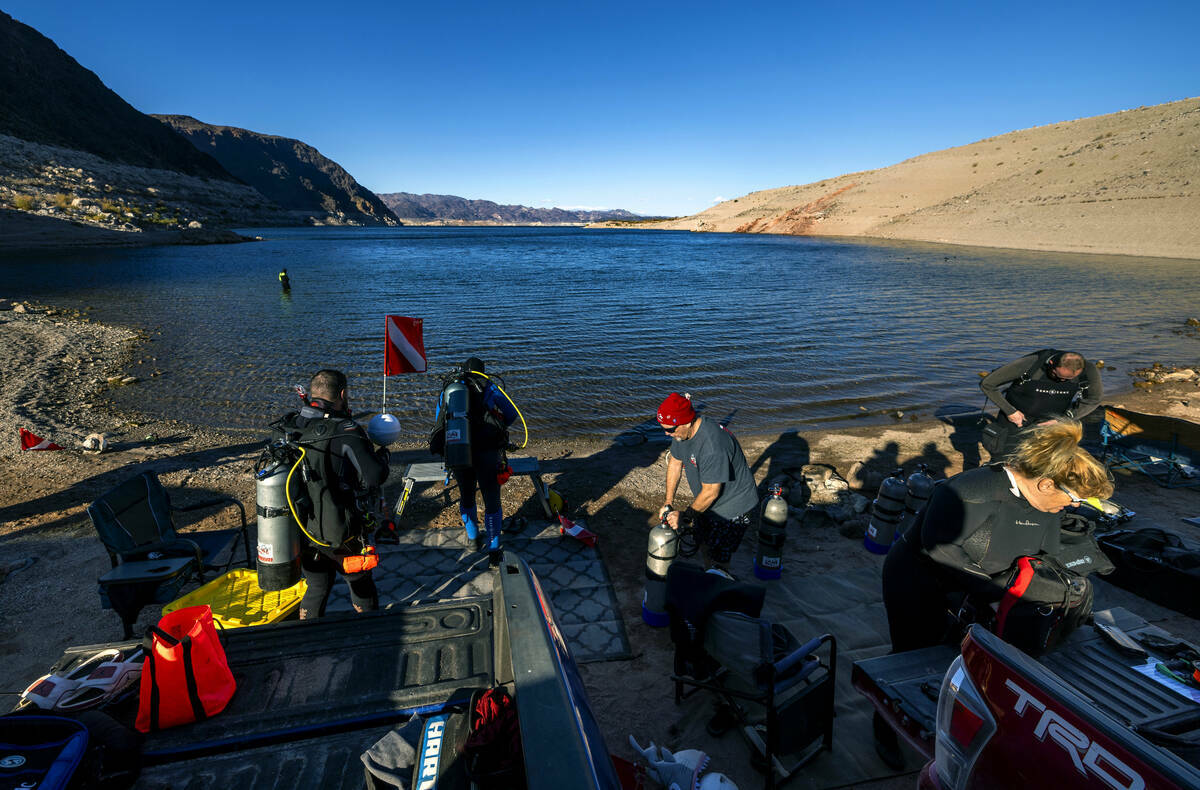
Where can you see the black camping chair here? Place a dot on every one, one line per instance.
(778, 692)
(150, 560)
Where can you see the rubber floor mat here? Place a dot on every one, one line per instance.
(433, 564)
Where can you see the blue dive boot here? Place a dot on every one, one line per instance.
(471, 523)
(494, 522)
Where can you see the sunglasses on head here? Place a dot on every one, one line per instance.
(670, 429)
(1075, 499)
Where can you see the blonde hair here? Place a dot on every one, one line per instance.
(1053, 451)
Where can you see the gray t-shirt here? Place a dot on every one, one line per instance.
(714, 456)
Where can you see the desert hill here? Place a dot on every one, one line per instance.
(451, 209)
(47, 97)
(1126, 183)
(291, 173)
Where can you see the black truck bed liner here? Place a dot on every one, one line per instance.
(313, 696)
(1089, 664)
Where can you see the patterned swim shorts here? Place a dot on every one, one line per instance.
(722, 536)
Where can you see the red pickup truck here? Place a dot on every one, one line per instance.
(989, 716)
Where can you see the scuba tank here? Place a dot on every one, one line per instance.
(278, 561)
(660, 553)
(456, 400)
(772, 522)
(920, 486)
(886, 513)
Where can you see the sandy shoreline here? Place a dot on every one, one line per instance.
(58, 366)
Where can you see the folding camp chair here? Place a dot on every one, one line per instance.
(1165, 449)
(150, 560)
(778, 692)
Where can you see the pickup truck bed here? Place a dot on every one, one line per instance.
(313, 696)
(1086, 672)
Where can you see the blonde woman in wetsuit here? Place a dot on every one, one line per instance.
(975, 527)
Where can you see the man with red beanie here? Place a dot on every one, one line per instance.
(723, 490)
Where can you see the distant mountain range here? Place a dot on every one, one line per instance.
(291, 173)
(452, 209)
(73, 151)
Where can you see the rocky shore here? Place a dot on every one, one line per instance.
(58, 197)
(60, 365)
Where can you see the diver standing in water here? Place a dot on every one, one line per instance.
(471, 433)
(284, 281)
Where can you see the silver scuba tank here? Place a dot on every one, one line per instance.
(772, 524)
(660, 553)
(920, 486)
(886, 513)
(456, 400)
(278, 561)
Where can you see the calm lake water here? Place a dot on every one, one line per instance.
(590, 329)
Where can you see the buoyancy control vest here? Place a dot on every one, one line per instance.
(488, 429)
(326, 502)
(1041, 396)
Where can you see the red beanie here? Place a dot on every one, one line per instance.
(676, 410)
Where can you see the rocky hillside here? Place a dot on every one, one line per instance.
(291, 173)
(52, 196)
(1126, 183)
(47, 97)
(450, 209)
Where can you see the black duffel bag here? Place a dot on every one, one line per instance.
(1157, 565)
(1044, 603)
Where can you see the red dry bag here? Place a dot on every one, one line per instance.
(185, 676)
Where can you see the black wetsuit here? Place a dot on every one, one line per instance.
(966, 540)
(1037, 395)
(351, 466)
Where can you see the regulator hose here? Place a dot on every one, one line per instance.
(287, 492)
(510, 400)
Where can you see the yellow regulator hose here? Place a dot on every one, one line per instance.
(287, 492)
(510, 400)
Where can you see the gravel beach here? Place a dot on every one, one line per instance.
(59, 366)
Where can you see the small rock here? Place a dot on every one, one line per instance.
(1193, 322)
(129, 380)
(18, 308)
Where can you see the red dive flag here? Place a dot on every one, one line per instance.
(577, 531)
(404, 346)
(31, 441)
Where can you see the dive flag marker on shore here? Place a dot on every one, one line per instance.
(31, 441)
(404, 346)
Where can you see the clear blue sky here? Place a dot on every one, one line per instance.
(627, 105)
